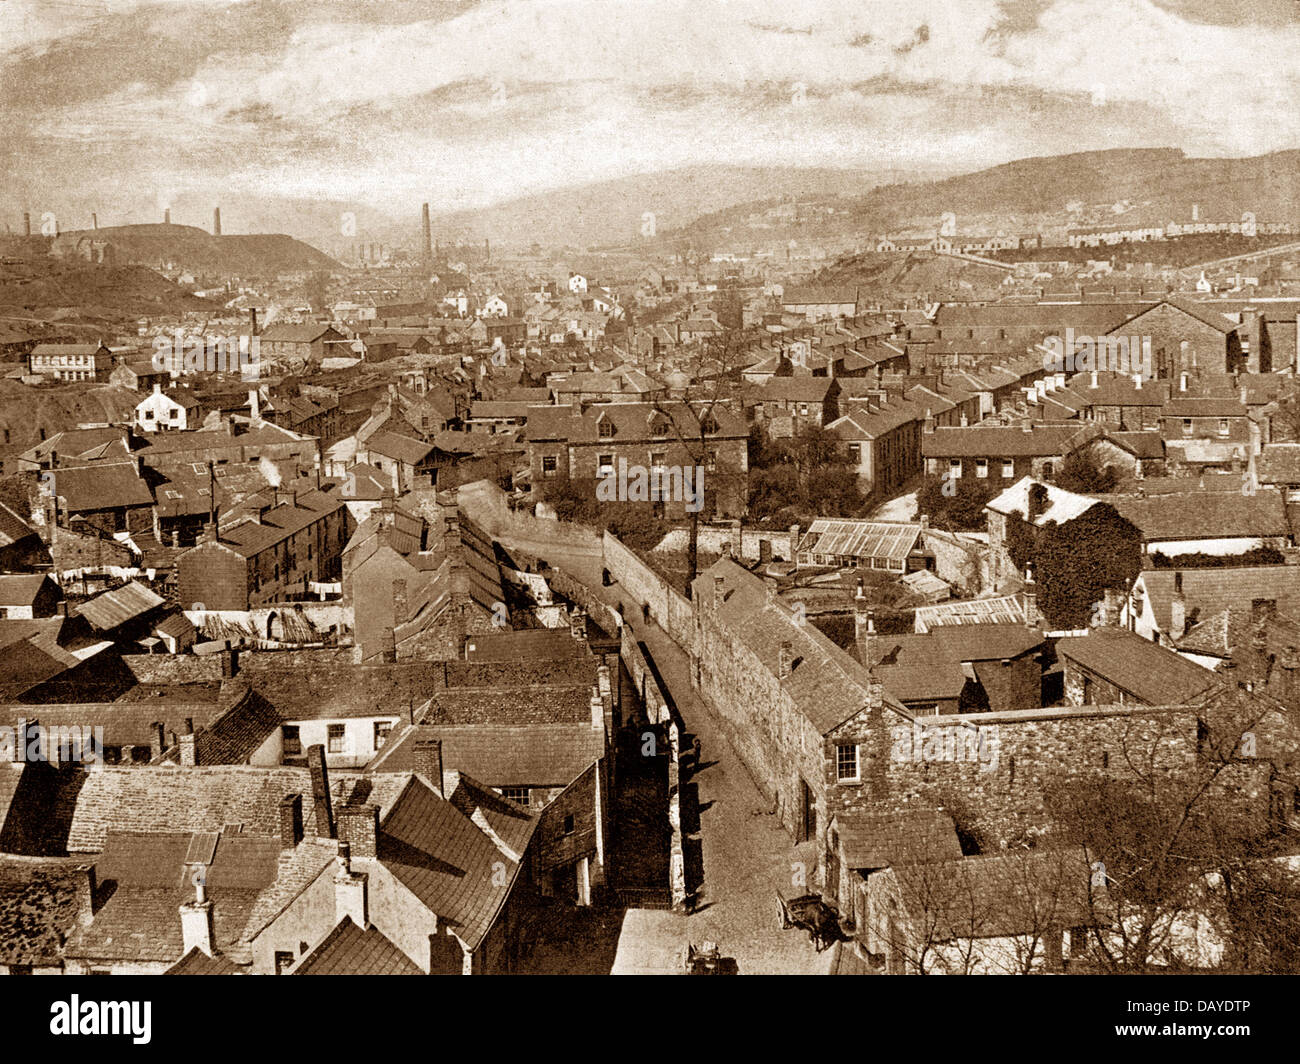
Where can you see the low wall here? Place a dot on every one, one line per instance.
(745, 541)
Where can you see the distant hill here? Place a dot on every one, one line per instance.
(198, 251)
(1153, 185)
(614, 212)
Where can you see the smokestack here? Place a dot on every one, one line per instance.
(27, 223)
(785, 661)
(1178, 610)
(216, 221)
(252, 322)
(487, 251)
(426, 247)
(167, 216)
(94, 220)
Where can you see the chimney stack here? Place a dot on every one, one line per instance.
(216, 221)
(188, 753)
(428, 761)
(196, 917)
(27, 223)
(1031, 599)
(94, 220)
(359, 829)
(252, 319)
(167, 216)
(320, 791)
(157, 739)
(290, 821)
(350, 894)
(427, 246)
(578, 623)
(1178, 609)
(864, 632)
(717, 591)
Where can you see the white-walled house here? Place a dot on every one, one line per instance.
(158, 411)
(577, 284)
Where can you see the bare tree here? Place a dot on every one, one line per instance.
(714, 371)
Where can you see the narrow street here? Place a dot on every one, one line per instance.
(745, 854)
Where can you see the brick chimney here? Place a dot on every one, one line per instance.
(785, 661)
(157, 740)
(597, 706)
(864, 632)
(350, 893)
(1031, 599)
(359, 827)
(428, 761)
(290, 821)
(578, 623)
(320, 791)
(187, 740)
(717, 591)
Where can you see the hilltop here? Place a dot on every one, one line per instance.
(1145, 185)
(78, 291)
(199, 252)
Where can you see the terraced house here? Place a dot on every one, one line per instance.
(288, 541)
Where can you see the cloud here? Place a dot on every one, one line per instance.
(468, 103)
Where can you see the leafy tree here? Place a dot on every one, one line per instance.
(956, 505)
(1081, 472)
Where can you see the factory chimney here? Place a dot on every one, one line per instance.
(216, 221)
(167, 216)
(94, 220)
(27, 223)
(426, 248)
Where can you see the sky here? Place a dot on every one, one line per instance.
(135, 105)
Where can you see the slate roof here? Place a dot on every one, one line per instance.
(632, 422)
(40, 904)
(979, 441)
(1204, 515)
(996, 895)
(349, 950)
(13, 528)
(201, 799)
(446, 861)
(140, 919)
(104, 486)
(114, 608)
(1211, 591)
(249, 538)
(910, 836)
(827, 685)
(1146, 670)
(21, 589)
(502, 755)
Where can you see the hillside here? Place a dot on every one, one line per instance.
(71, 292)
(25, 411)
(198, 251)
(613, 212)
(1146, 185)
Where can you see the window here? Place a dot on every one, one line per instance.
(148, 415)
(568, 824)
(549, 465)
(846, 762)
(855, 452)
(604, 464)
(981, 468)
(336, 733)
(283, 961)
(1187, 426)
(292, 740)
(606, 430)
(382, 728)
(657, 459)
(954, 467)
(520, 795)
(803, 409)
(1008, 468)
(1223, 426)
